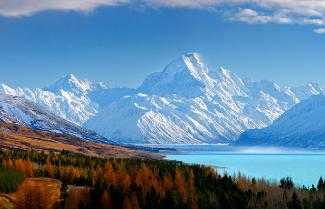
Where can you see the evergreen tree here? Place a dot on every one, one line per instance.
(321, 184)
(64, 193)
(295, 202)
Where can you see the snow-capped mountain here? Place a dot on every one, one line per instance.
(301, 126)
(71, 98)
(66, 98)
(184, 103)
(18, 110)
(304, 92)
(187, 103)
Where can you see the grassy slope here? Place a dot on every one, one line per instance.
(19, 137)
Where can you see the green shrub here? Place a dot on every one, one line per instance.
(10, 180)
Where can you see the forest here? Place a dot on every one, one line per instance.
(38, 180)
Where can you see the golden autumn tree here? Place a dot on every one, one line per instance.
(167, 183)
(122, 179)
(73, 199)
(146, 179)
(134, 201)
(50, 169)
(32, 195)
(106, 201)
(180, 184)
(10, 164)
(29, 169)
(127, 203)
(192, 191)
(109, 174)
(85, 196)
(20, 165)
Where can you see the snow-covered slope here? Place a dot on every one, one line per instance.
(67, 98)
(301, 126)
(18, 110)
(71, 98)
(187, 103)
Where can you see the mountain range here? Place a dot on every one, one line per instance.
(302, 126)
(18, 110)
(185, 103)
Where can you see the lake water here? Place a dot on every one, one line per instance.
(305, 169)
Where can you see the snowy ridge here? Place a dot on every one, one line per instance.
(188, 104)
(18, 110)
(185, 103)
(66, 98)
(301, 126)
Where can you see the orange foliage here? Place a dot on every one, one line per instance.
(106, 202)
(123, 179)
(37, 194)
(146, 179)
(77, 197)
(180, 184)
(127, 203)
(135, 202)
(109, 177)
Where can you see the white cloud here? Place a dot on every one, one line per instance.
(278, 11)
(184, 3)
(304, 12)
(314, 21)
(303, 7)
(320, 31)
(15, 8)
(253, 17)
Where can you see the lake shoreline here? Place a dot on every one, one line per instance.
(302, 167)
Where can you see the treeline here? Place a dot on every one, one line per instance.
(96, 183)
(127, 183)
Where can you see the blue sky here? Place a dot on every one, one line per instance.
(120, 42)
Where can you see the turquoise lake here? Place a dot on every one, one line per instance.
(305, 169)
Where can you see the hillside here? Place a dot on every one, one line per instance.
(302, 126)
(14, 136)
(18, 110)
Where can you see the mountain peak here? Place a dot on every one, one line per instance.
(189, 64)
(70, 83)
(4, 89)
(305, 91)
(192, 55)
(187, 76)
(70, 77)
